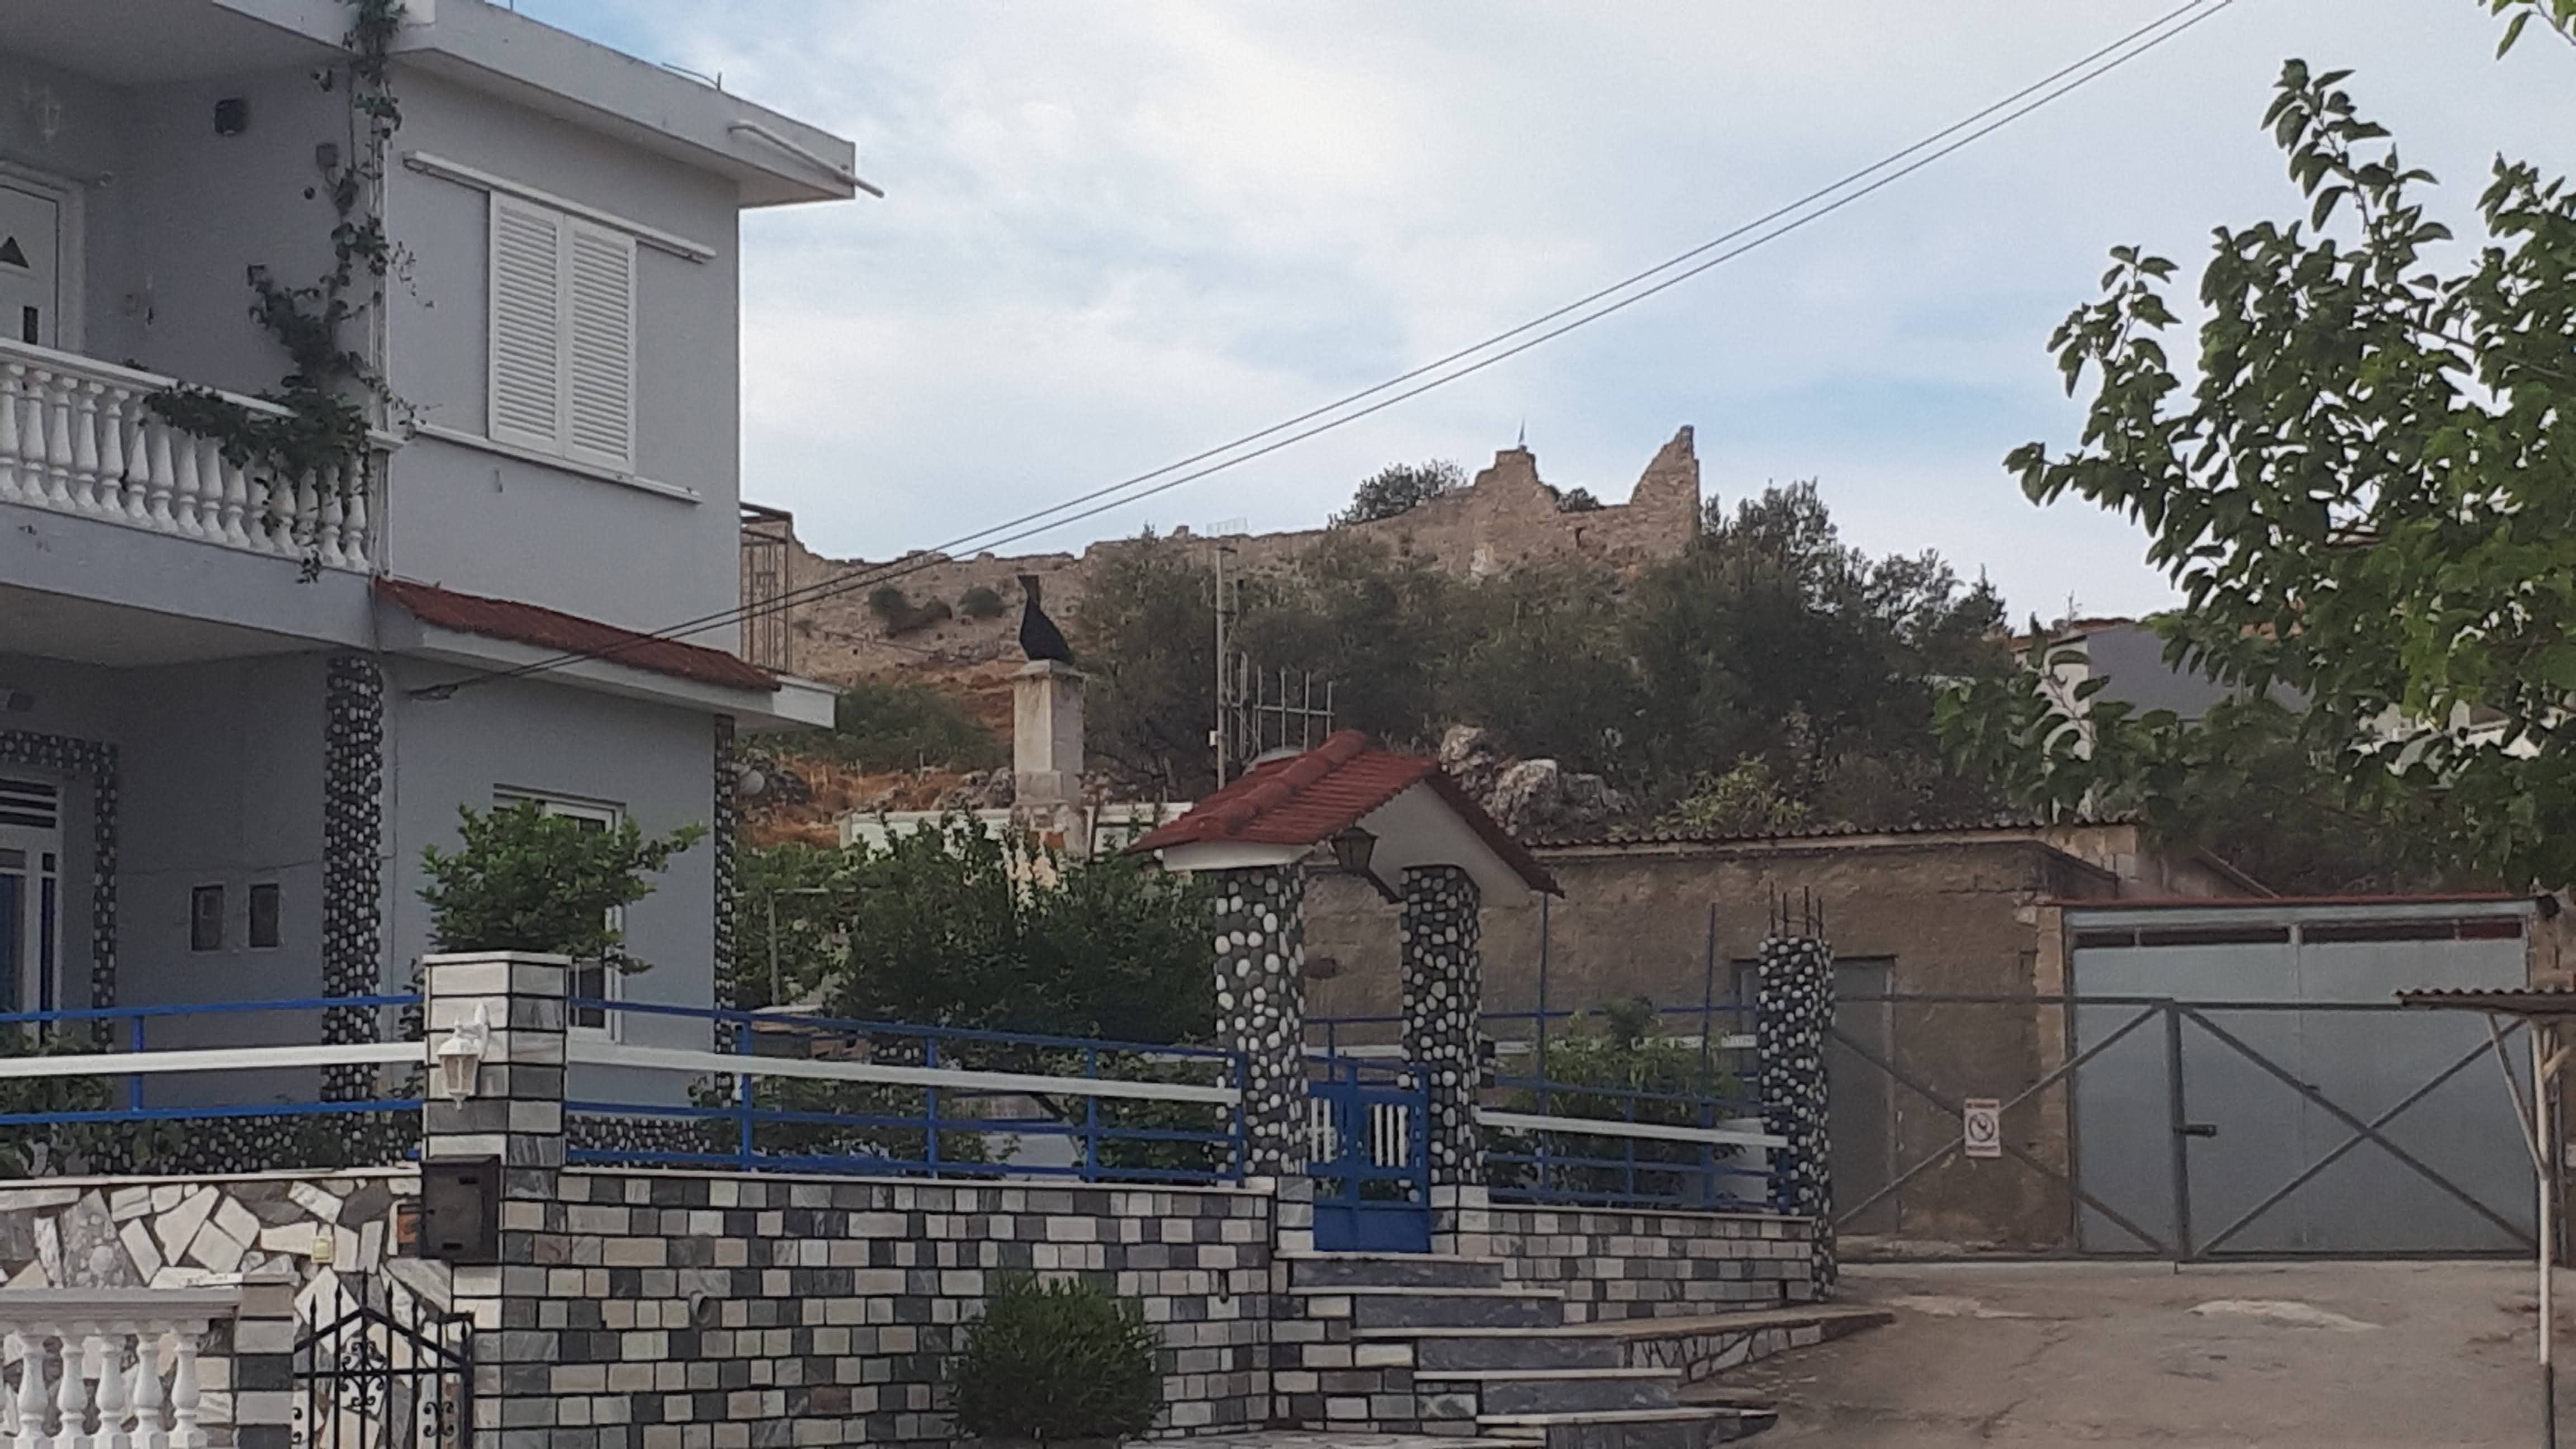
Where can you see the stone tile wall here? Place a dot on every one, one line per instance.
(667, 1310)
(1614, 1264)
(311, 1236)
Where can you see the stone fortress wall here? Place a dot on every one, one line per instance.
(1506, 519)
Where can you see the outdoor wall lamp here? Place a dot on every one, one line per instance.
(460, 1057)
(1352, 848)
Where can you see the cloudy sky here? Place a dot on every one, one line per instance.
(1118, 233)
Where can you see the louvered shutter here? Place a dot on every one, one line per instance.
(599, 358)
(526, 406)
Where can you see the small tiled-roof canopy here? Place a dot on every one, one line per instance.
(1282, 809)
(571, 634)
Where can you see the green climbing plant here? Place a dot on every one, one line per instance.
(325, 396)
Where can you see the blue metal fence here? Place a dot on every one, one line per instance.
(99, 1036)
(1625, 1166)
(821, 1094)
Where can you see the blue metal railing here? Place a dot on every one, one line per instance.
(1570, 1167)
(124, 1030)
(756, 1120)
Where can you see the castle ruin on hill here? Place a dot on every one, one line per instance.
(1506, 519)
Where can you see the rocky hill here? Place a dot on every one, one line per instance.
(1508, 517)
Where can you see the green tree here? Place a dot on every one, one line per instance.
(2368, 495)
(1400, 488)
(957, 925)
(1145, 632)
(1772, 639)
(524, 880)
(879, 725)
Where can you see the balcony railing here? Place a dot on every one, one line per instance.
(123, 1359)
(79, 437)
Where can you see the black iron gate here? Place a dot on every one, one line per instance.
(385, 1374)
(2185, 1129)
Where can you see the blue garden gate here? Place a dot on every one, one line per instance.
(1368, 1146)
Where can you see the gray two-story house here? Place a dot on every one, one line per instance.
(234, 706)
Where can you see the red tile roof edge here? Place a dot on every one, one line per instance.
(1227, 814)
(554, 629)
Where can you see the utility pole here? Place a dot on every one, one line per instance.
(1216, 735)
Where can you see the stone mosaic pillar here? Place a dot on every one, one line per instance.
(353, 774)
(516, 1112)
(1444, 997)
(1261, 1009)
(1794, 1009)
(724, 837)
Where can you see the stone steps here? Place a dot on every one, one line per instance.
(1556, 1391)
(1408, 1270)
(1675, 1428)
(1445, 1345)
(1403, 1305)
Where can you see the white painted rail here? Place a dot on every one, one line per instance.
(725, 1064)
(78, 436)
(104, 1368)
(1647, 1131)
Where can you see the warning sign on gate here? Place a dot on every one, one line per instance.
(1983, 1126)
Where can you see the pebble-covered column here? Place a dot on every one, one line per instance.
(1795, 1007)
(352, 862)
(1444, 995)
(1261, 1008)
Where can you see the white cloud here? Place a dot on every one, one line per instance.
(1117, 233)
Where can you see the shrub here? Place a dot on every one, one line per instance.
(981, 602)
(1615, 1054)
(900, 615)
(525, 880)
(1055, 1361)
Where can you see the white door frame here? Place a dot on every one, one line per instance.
(71, 279)
(35, 933)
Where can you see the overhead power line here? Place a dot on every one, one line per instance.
(1665, 275)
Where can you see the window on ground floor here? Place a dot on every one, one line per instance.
(591, 980)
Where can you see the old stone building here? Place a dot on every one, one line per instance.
(1507, 518)
(1966, 911)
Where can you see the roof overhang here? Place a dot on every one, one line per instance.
(1421, 826)
(557, 73)
(795, 704)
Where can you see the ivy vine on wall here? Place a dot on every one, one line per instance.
(323, 432)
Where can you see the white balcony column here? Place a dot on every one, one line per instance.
(13, 458)
(158, 479)
(49, 416)
(233, 488)
(187, 496)
(85, 494)
(115, 498)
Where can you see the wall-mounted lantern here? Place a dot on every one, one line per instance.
(460, 1057)
(1352, 850)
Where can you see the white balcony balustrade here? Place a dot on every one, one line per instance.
(79, 436)
(103, 1370)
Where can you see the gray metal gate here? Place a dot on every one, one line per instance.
(2218, 1080)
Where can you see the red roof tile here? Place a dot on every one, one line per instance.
(1307, 799)
(572, 634)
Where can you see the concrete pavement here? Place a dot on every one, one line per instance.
(2344, 1355)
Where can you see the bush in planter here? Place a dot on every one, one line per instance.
(525, 880)
(1053, 1362)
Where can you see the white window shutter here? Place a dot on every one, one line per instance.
(599, 392)
(526, 404)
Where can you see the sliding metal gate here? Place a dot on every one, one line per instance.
(2233, 1080)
